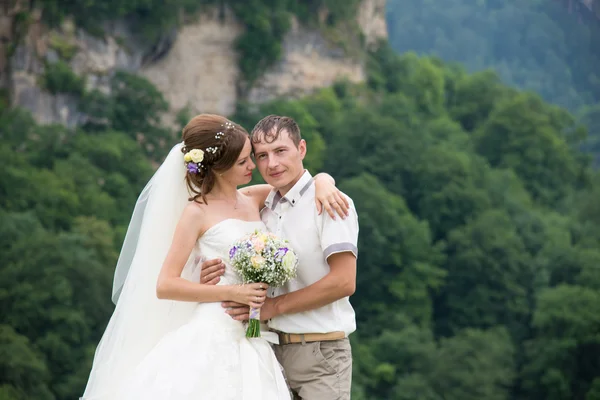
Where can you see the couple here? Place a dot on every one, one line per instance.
(171, 337)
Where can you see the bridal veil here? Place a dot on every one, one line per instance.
(140, 319)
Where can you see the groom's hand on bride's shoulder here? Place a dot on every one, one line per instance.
(211, 271)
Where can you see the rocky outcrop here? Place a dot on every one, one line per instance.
(194, 67)
(371, 20)
(309, 62)
(200, 71)
(89, 57)
(24, 69)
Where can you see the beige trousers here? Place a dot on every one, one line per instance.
(317, 370)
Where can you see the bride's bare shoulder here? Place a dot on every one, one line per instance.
(195, 210)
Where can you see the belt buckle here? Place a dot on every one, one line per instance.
(284, 338)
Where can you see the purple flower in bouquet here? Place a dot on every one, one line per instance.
(280, 253)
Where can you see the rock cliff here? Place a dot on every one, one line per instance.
(194, 66)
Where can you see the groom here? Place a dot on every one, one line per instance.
(311, 314)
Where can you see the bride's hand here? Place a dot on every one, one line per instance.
(329, 197)
(252, 294)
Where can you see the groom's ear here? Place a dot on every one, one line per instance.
(302, 148)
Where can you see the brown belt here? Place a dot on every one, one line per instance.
(291, 338)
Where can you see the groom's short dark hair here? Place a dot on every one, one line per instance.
(270, 127)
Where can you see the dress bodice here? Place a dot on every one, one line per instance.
(218, 239)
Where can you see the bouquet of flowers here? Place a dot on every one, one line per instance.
(262, 257)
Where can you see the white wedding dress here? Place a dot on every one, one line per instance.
(209, 357)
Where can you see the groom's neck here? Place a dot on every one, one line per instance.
(285, 189)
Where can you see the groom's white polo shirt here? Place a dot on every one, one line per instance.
(314, 238)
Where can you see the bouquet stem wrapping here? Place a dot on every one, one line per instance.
(253, 330)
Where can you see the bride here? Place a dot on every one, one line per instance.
(168, 337)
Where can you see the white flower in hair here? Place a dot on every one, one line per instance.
(196, 155)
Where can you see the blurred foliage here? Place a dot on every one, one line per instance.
(543, 46)
(479, 267)
(59, 78)
(134, 106)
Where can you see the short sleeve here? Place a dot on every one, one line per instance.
(339, 235)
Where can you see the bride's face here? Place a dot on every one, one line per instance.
(241, 172)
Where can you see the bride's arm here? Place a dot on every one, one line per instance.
(326, 195)
(171, 286)
(258, 193)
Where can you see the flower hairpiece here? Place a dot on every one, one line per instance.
(193, 160)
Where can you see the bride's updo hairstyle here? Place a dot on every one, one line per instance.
(211, 145)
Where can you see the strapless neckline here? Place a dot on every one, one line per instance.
(228, 220)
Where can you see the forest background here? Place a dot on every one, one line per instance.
(472, 171)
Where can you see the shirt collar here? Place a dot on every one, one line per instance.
(293, 195)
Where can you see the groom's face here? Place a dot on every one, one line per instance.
(280, 161)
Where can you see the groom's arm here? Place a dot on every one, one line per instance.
(340, 282)
(211, 271)
(339, 241)
(327, 196)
